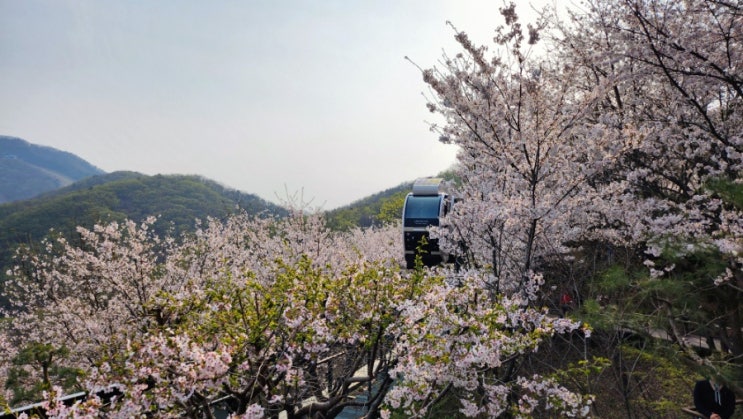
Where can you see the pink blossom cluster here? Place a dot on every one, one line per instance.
(676, 100)
(270, 312)
(459, 339)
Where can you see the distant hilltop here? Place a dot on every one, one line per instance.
(28, 170)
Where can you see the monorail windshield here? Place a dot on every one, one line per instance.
(422, 210)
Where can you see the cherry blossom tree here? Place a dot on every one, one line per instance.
(676, 98)
(266, 315)
(87, 302)
(528, 158)
(527, 155)
(459, 343)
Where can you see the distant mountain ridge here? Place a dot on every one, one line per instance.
(62, 195)
(44, 189)
(176, 200)
(27, 170)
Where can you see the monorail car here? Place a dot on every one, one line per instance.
(423, 208)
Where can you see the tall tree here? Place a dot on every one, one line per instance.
(527, 154)
(527, 158)
(676, 100)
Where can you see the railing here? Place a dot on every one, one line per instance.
(219, 407)
(37, 408)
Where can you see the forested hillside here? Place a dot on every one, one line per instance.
(378, 209)
(176, 200)
(28, 170)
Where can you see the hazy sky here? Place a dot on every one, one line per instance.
(261, 96)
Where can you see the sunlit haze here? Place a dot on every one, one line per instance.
(260, 96)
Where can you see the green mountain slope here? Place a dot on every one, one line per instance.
(380, 208)
(177, 200)
(27, 170)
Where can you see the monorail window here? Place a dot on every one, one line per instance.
(422, 208)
